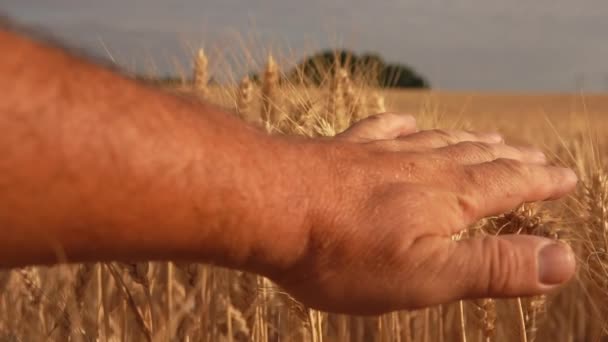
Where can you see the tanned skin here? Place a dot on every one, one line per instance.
(96, 167)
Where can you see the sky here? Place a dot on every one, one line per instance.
(507, 45)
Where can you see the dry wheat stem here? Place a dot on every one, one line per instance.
(131, 302)
(270, 84)
(463, 324)
(522, 321)
(245, 98)
(201, 73)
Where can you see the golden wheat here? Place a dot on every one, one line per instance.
(245, 98)
(270, 84)
(201, 73)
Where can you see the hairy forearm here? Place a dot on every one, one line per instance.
(98, 167)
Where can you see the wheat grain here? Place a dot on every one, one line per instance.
(270, 85)
(376, 103)
(131, 303)
(201, 74)
(336, 107)
(245, 98)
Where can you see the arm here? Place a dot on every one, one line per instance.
(98, 167)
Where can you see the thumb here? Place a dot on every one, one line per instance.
(509, 266)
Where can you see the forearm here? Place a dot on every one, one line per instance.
(98, 167)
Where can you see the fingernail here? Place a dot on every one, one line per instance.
(534, 154)
(495, 137)
(569, 175)
(539, 156)
(556, 264)
(410, 118)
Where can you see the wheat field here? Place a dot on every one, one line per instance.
(191, 302)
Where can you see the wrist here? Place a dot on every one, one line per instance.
(296, 172)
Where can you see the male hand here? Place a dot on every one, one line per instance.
(379, 235)
(361, 223)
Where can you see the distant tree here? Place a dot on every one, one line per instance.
(372, 62)
(400, 76)
(316, 69)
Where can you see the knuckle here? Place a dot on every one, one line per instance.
(387, 145)
(443, 135)
(500, 172)
(511, 166)
(473, 177)
(467, 207)
(501, 267)
(481, 149)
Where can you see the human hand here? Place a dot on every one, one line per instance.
(380, 223)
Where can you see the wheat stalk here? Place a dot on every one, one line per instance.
(376, 103)
(201, 74)
(353, 102)
(336, 108)
(270, 85)
(139, 318)
(245, 98)
(139, 274)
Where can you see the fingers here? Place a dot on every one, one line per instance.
(440, 138)
(501, 185)
(504, 266)
(384, 126)
(470, 152)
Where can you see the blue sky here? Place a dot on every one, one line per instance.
(516, 45)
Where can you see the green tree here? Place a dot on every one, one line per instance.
(319, 67)
(400, 76)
